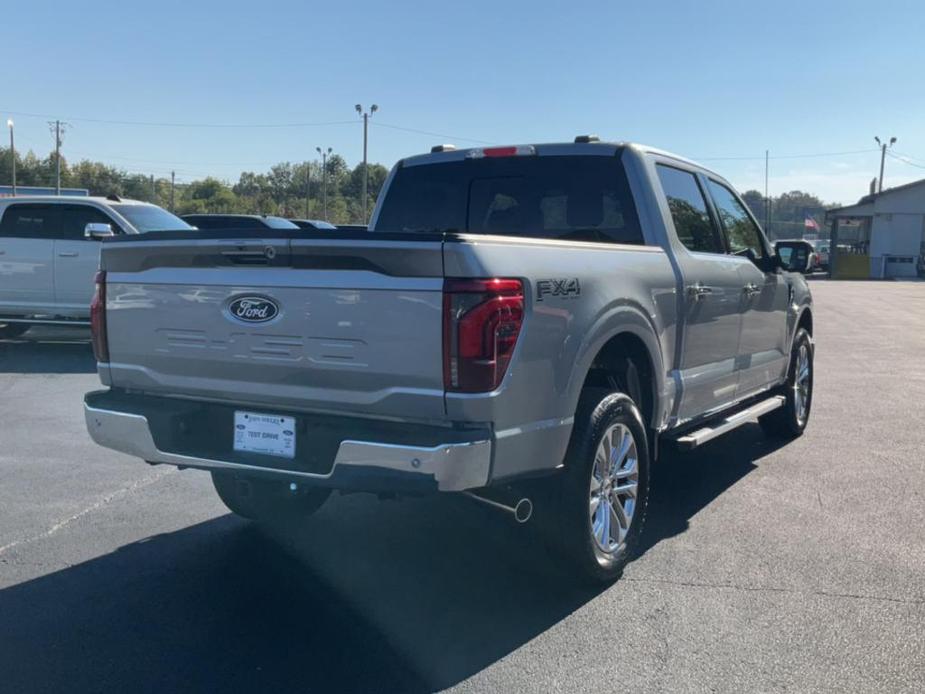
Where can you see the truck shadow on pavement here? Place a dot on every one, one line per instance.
(410, 595)
(48, 350)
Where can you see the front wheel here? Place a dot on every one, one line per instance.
(601, 503)
(267, 500)
(790, 420)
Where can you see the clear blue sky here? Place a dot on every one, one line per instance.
(706, 79)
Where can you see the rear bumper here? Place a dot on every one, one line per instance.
(192, 434)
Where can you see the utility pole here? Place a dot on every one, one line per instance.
(324, 179)
(173, 180)
(308, 186)
(57, 157)
(153, 190)
(59, 129)
(767, 198)
(366, 116)
(9, 122)
(883, 148)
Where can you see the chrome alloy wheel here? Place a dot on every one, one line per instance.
(614, 483)
(802, 383)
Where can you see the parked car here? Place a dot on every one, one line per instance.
(49, 253)
(353, 227)
(237, 221)
(313, 224)
(821, 252)
(529, 325)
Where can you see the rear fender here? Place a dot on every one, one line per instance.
(624, 319)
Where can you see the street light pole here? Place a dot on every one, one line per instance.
(767, 199)
(366, 116)
(308, 187)
(9, 123)
(324, 179)
(883, 148)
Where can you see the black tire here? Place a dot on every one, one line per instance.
(11, 330)
(790, 420)
(267, 500)
(569, 521)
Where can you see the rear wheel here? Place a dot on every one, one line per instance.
(267, 500)
(790, 420)
(11, 330)
(599, 506)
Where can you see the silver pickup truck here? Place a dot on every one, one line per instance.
(50, 252)
(534, 317)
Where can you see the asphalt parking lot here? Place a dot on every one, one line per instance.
(766, 567)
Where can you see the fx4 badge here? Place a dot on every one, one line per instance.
(565, 288)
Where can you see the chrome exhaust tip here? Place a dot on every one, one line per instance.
(522, 510)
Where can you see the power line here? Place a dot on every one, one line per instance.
(159, 124)
(137, 160)
(909, 156)
(380, 124)
(788, 156)
(905, 160)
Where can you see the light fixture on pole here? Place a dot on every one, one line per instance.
(324, 179)
(883, 148)
(9, 124)
(365, 116)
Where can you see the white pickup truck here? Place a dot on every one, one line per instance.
(523, 324)
(50, 252)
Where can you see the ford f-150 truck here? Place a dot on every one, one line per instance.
(533, 317)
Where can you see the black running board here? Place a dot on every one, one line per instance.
(733, 421)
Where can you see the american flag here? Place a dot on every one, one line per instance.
(810, 223)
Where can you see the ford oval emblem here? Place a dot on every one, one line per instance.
(253, 309)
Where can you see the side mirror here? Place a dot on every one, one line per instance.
(794, 256)
(97, 230)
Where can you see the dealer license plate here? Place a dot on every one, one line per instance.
(264, 433)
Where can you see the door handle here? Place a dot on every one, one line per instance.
(751, 289)
(68, 254)
(698, 291)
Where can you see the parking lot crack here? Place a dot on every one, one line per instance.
(95, 506)
(776, 589)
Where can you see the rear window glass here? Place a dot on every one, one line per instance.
(279, 223)
(578, 198)
(150, 218)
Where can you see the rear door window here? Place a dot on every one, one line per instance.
(577, 198)
(692, 220)
(27, 221)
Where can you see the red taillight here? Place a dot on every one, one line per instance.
(481, 322)
(98, 319)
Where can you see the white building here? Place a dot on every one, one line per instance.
(882, 236)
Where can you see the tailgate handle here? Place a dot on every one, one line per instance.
(261, 257)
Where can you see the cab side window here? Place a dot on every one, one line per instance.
(74, 220)
(692, 220)
(29, 221)
(741, 232)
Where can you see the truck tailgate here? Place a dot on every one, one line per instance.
(325, 324)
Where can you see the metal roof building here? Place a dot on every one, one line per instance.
(881, 236)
